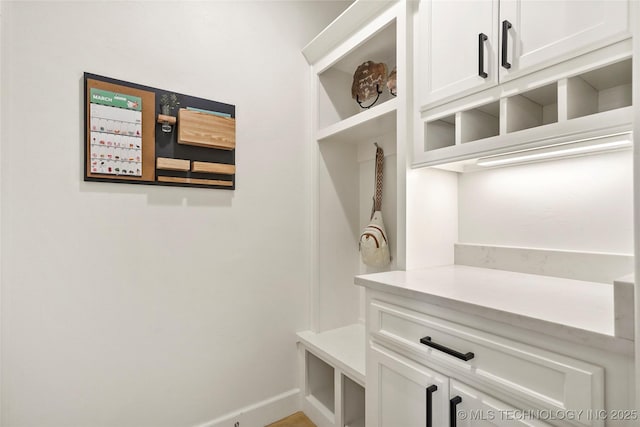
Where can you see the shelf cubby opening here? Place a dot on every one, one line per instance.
(320, 382)
(599, 90)
(440, 133)
(334, 92)
(479, 123)
(353, 402)
(537, 107)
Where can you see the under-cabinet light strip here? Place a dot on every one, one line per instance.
(609, 142)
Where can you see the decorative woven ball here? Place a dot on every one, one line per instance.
(369, 76)
(392, 82)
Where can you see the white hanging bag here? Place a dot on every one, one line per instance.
(374, 245)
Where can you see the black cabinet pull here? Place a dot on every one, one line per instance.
(430, 391)
(482, 37)
(463, 356)
(506, 25)
(453, 420)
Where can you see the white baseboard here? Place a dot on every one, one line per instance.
(261, 413)
(317, 413)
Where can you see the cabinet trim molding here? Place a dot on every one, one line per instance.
(572, 384)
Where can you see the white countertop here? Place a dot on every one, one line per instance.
(575, 309)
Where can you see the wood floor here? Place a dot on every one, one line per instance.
(299, 419)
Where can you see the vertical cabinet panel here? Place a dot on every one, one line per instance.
(552, 31)
(450, 49)
(400, 398)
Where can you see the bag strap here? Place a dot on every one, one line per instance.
(377, 200)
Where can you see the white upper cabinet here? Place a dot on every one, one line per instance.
(459, 53)
(522, 36)
(534, 34)
(549, 70)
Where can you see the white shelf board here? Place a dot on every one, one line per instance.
(342, 27)
(323, 397)
(380, 47)
(363, 126)
(321, 408)
(357, 423)
(591, 126)
(343, 348)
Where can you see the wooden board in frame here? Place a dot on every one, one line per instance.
(126, 137)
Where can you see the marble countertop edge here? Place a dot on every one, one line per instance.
(600, 337)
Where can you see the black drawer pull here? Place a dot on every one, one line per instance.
(430, 391)
(506, 25)
(452, 411)
(463, 356)
(482, 37)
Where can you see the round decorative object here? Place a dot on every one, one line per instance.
(368, 81)
(392, 82)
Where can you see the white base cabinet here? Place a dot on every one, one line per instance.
(435, 367)
(471, 407)
(408, 394)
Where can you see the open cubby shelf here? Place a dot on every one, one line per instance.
(344, 134)
(353, 403)
(537, 107)
(440, 133)
(320, 377)
(364, 126)
(535, 114)
(342, 347)
(599, 90)
(330, 357)
(353, 399)
(479, 123)
(334, 84)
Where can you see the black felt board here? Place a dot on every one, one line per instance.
(166, 144)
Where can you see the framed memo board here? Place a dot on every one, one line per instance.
(126, 137)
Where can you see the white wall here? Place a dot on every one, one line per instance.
(578, 204)
(367, 187)
(635, 25)
(129, 305)
(432, 217)
(1, 134)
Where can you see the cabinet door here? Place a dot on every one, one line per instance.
(449, 48)
(545, 32)
(401, 393)
(473, 408)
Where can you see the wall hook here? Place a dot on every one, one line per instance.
(374, 101)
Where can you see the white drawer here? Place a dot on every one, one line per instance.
(475, 407)
(541, 378)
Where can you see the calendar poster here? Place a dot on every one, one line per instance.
(116, 133)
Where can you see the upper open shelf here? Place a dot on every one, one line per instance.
(599, 90)
(363, 126)
(533, 108)
(592, 104)
(335, 104)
